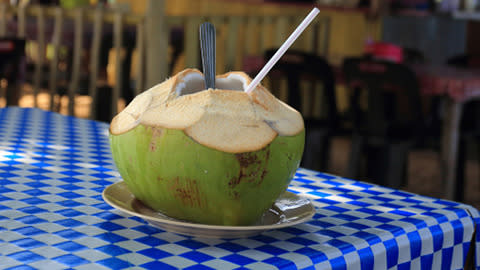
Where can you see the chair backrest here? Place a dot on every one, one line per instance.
(298, 66)
(393, 105)
(12, 67)
(11, 52)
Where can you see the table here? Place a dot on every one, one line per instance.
(458, 86)
(53, 169)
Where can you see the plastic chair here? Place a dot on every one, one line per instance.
(12, 67)
(387, 119)
(297, 66)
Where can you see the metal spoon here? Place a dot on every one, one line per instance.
(207, 47)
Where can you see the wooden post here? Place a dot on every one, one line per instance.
(38, 77)
(251, 36)
(21, 22)
(94, 60)
(281, 31)
(326, 36)
(232, 42)
(117, 44)
(56, 41)
(77, 54)
(265, 35)
(156, 43)
(3, 19)
(140, 69)
(192, 44)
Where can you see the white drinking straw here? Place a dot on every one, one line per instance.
(282, 50)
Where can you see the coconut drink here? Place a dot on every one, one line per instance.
(214, 156)
(210, 149)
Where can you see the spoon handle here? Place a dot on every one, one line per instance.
(207, 47)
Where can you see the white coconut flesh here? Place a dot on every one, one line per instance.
(226, 118)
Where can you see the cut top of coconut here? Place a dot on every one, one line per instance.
(226, 119)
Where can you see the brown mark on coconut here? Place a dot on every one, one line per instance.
(251, 165)
(152, 146)
(246, 159)
(187, 191)
(265, 171)
(156, 133)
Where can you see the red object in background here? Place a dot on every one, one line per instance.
(385, 51)
(6, 46)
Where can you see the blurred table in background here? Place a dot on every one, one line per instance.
(53, 169)
(457, 86)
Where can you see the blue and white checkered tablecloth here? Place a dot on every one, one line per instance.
(53, 169)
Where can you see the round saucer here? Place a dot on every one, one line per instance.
(288, 210)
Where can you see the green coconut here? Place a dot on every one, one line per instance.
(208, 156)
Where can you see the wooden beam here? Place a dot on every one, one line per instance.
(156, 43)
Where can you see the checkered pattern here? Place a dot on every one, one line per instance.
(53, 169)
